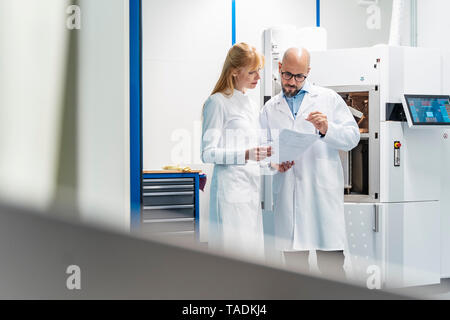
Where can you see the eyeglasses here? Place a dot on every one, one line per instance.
(298, 77)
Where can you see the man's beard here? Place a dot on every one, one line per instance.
(290, 94)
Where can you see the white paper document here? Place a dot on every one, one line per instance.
(292, 144)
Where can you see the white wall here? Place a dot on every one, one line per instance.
(433, 24)
(33, 45)
(254, 16)
(103, 114)
(33, 63)
(345, 21)
(184, 46)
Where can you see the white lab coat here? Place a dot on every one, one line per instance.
(309, 198)
(230, 126)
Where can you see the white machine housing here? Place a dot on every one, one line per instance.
(402, 223)
(396, 226)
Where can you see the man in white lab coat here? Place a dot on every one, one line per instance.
(309, 191)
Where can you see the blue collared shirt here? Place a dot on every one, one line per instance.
(295, 102)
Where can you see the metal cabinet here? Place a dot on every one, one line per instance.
(170, 203)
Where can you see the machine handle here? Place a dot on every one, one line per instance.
(376, 227)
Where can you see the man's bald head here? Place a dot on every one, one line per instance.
(293, 70)
(297, 56)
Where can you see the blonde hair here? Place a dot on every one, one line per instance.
(240, 55)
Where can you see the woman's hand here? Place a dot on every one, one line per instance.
(258, 153)
(283, 167)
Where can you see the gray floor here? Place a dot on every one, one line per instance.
(294, 261)
(439, 291)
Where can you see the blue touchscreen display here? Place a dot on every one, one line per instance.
(429, 110)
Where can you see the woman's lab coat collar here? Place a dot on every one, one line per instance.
(239, 93)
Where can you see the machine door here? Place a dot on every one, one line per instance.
(364, 254)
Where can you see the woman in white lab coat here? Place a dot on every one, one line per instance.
(230, 140)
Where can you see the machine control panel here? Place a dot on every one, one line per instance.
(427, 110)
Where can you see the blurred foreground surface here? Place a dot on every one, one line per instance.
(37, 250)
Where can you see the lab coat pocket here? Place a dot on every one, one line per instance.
(327, 174)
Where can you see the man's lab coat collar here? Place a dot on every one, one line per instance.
(306, 88)
(281, 104)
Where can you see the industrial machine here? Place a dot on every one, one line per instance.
(395, 208)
